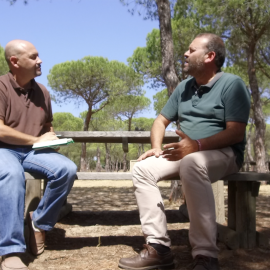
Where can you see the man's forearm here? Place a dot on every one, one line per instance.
(158, 131)
(157, 135)
(12, 136)
(225, 138)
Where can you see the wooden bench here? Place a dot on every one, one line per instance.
(243, 188)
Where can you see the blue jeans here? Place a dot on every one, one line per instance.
(60, 172)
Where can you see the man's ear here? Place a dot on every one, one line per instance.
(210, 57)
(14, 61)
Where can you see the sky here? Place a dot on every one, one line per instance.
(65, 30)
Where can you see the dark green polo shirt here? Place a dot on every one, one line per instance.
(204, 111)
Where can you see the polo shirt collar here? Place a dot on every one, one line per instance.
(211, 83)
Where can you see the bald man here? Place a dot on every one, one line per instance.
(25, 119)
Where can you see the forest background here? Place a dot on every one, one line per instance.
(115, 95)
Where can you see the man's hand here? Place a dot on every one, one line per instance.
(152, 152)
(176, 151)
(48, 136)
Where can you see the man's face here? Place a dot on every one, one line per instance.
(29, 61)
(195, 56)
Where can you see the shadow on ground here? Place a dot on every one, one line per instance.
(104, 227)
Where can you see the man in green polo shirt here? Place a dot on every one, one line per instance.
(213, 109)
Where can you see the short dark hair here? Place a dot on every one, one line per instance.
(215, 44)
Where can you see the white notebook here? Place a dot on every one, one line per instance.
(52, 144)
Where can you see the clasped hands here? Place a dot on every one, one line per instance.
(173, 151)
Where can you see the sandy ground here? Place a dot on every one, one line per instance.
(112, 183)
(104, 226)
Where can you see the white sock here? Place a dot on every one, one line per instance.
(36, 229)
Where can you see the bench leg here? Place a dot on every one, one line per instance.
(246, 213)
(32, 195)
(231, 205)
(218, 190)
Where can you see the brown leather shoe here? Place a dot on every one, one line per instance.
(12, 262)
(148, 258)
(36, 239)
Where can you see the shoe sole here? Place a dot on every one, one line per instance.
(159, 267)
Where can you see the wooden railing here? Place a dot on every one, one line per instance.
(124, 137)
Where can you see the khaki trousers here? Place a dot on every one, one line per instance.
(197, 171)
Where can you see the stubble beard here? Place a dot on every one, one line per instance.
(194, 68)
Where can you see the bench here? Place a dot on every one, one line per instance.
(243, 188)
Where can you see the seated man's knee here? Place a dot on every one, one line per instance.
(190, 165)
(141, 172)
(67, 169)
(72, 168)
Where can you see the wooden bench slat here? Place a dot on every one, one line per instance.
(115, 136)
(240, 176)
(104, 175)
(248, 176)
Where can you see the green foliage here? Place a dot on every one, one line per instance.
(66, 122)
(242, 23)
(88, 79)
(3, 64)
(239, 70)
(142, 123)
(147, 60)
(94, 80)
(267, 142)
(160, 99)
(103, 120)
(126, 107)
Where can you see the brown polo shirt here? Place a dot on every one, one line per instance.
(25, 110)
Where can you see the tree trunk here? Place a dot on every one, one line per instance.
(107, 166)
(85, 128)
(112, 166)
(88, 165)
(258, 113)
(168, 67)
(98, 166)
(83, 157)
(139, 150)
(248, 146)
(125, 162)
(248, 157)
(116, 165)
(129, 123)
(166, 42)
